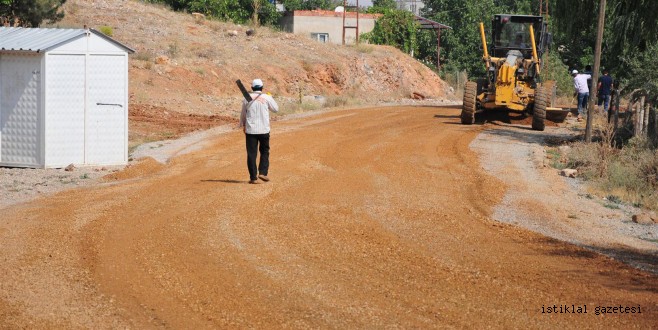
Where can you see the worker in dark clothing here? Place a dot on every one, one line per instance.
(604, 89)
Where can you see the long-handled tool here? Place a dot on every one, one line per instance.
(244, 91)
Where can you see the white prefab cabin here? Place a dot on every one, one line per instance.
(63, 98)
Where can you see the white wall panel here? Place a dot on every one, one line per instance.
(107, 110)
(74, 46)
(65, 110)
(98, 44)
(19, 110)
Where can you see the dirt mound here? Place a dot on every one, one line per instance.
(143, 167)
(154, 123)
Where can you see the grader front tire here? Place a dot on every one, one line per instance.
(539, 111)
(469, 103)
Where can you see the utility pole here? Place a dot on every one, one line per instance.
(595, 73)
(543, 11)
(345, 6)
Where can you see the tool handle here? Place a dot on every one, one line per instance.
(244, 91)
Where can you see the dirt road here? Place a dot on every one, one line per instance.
(374, 218)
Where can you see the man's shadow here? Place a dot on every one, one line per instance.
(224, 181)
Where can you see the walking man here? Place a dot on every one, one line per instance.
(581, 89)
(255, 120)
(604, 89)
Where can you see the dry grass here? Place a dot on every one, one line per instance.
(456, 80)
(628, 172)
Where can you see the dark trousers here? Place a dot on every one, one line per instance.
(256, 143)
(582, 103)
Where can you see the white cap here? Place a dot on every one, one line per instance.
(257, 83)
(574, 72)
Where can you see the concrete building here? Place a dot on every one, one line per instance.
(414, 6)
(327, 26)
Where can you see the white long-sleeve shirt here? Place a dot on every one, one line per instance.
(580, 83)
(255, 116)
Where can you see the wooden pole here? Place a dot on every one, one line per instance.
(357, 22)
(636, 116)
(438, 49)
(645, 120)
(595, 74)
(615, 105)
(655, 125)
(344, 12)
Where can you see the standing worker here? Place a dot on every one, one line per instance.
(255, 120)
(604, 89)
(581, 89)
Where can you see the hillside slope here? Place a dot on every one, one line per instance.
(187, 66)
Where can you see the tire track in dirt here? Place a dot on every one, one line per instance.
(375, 217)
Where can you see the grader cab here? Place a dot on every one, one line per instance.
(513, 79)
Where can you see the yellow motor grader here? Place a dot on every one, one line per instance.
(513, 80)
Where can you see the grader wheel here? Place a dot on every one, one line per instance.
(539, 111)
(544, 97)
(551, 87)
(470, 103)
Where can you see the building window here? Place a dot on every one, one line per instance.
(321, 37)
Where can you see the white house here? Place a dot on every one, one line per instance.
(63, 98)
(328, 26)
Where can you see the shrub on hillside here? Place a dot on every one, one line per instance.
(106, 30)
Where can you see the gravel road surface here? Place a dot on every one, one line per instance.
(374, 218)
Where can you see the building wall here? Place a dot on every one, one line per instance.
(20, 119)
(65, 109)
(310, 22)
(107, 110)
(412, 6)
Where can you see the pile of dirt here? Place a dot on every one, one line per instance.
(189, 66)
(155, 123)
(145, 166)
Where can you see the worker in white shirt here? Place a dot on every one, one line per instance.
(582, 90)
(255, 120)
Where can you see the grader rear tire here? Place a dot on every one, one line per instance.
(470, 103)
(539, 111)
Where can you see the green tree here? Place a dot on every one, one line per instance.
(382, 6)
(31, 13)
(238, 11)
(396, 28)
(390, 4)
(645, 71)
(631, 31)
(292, 5)
(460, 46)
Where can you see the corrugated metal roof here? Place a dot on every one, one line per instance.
(39, 40)
(429, 24)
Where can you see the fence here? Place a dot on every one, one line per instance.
(640, 115)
